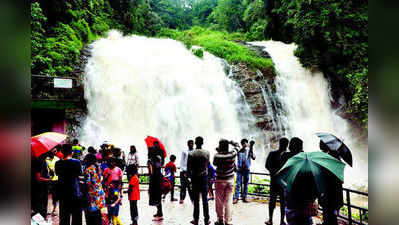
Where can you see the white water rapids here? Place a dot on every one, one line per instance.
(305, 98)
(137, 86)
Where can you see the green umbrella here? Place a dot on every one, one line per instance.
(319, 164)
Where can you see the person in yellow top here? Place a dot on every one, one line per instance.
(77, 149)
(50, 161)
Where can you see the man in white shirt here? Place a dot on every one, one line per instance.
(185, 185)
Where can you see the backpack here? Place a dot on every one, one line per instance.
(166, 186)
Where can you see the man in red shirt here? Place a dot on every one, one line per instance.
(134, 195)
(170, 170)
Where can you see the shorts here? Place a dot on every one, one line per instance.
(113, 211)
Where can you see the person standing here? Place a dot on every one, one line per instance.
(77, 149)
(51, 160)
(40, 181)
(96, 194)
(303, 192)
(68, 171)
(224, 161)
(170, 168)
(211, 181)
(185, 185)
(197, 168)
(132, 161)
(134, 196)
(333, 199)
(155, 163)
(274, 163)
(245, 156)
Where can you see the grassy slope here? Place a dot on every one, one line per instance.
(221, 44)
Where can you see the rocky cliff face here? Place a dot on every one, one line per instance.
(259, 93)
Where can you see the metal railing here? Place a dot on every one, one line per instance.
(351, 208)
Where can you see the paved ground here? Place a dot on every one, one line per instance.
(254, 212)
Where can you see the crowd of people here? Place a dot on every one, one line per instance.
(92, 183)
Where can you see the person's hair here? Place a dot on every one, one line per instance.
(132, 147)
(223, 146)
(244, 141)
(66, 149)
(91, 160)
(172, 158)
(156, 142)
(296, 145)
(190, 141)
(51, 154)
(75, 141)
(283, 143)
(134, 170)
(91, 150)
(199, 141)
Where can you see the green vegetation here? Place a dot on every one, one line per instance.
(219, 43)
(198, 52)
(332, 35)
(257, 188)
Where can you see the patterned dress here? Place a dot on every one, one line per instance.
(94, 188)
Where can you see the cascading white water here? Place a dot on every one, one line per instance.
(305, 97)
(137, 86)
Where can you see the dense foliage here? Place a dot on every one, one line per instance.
(60, 29)
(331, 35)
(221, 44)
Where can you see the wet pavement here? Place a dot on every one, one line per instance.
(254, 212)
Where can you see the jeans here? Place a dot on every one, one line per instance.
(68, 208)
(243, 174)
(200, 187)
(134, 214)
(185, 186)
(224, 194)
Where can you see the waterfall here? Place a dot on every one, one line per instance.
(137, 86)
(305, 99)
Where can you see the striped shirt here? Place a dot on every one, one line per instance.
(225, 165)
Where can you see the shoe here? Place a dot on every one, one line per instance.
(235, 201)
(194, 222)
(181, 201)
(219, 223)
(268, 222)
(207, 223)
(173, 200)
(245, 200)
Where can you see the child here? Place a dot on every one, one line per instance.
(114, 200)
(170, 170)
(134, 195)
(211, 180)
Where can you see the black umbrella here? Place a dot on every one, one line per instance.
(335, 144)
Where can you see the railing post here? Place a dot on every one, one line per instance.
(348, 201)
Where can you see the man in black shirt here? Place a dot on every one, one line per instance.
(68, 171)
(274, 162)
(197, 168)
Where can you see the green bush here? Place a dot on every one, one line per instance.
(199, 53)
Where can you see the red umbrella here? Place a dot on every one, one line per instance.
(43, 143)
(150, 142)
